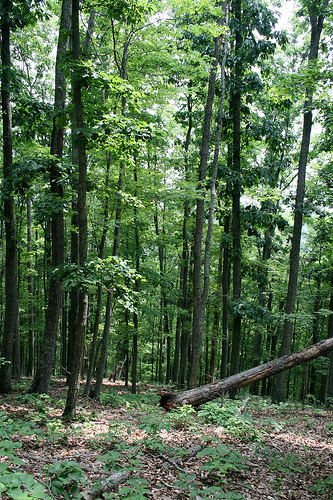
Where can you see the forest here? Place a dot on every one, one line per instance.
(166, 303)
(166, 211)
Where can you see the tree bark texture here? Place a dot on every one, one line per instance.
(236, 194)
(11, 291)
(43, 373)
(198, 317)
(201, 395)
(316, 29)
(74, 378)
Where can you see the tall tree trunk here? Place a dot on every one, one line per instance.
(31, 340)
(41, 381)
(182, 320)
(99, 288)
(257, 340)
(135, 313)
(74, 293)
(236, 194)
(329, 396)
(108, 309)
(11, 290)
(75, 376)
(198, 310)
(225, 298)
(116, 240)
(316, 29)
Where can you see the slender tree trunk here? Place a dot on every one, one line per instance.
(315, 330)
(108, 310)
(135, 313)
(236, 194)
(41, 381)
(116, 240)
(99, 288)
(329, 397)
(183, 282)
(198, 304)
(11, 290)
(75, 376)
(316, 29)
(257, 340)
(31, 346)
(225, 298)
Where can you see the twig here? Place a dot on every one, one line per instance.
(53, 461)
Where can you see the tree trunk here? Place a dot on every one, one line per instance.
(225, 298)
(135, 313)
(316, 29)
(236, 194)
(43, 373)
(31, 339)
(182, 320)
(329, 396)
(74, 293)
(257, 340)
(11, 290)
(99, 288)
(201, 395)
(74, 379)
(199, 299)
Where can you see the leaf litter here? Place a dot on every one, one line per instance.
(287, 453)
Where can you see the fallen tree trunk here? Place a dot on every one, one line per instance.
(208, 392)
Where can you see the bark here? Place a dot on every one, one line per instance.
(74, 296)
(135, 314)
(11, 287)
(316, 29)
(199, 300)
(257, 340)
(99, 288)
(182, 320)
(236, 194)
(41, 381)
(116, 240)
(330, 335)
(31, 338)
(74, 379)
(225, 298)
(108, 310)
(201, 395)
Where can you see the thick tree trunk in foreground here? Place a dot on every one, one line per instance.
(11, 293)
(78, 346)
(200, 395)
(42, 377)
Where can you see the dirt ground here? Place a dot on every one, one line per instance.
(288, 453)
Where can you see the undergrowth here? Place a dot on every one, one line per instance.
(145, 424)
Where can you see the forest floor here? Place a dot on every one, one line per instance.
(265, 452)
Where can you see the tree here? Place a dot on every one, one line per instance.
(200, 395)
(316, 15)
(198, 303)
(75, 376)
(11, 293)
(43, 373)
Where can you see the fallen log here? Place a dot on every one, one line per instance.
(208, 392)
(108, 484)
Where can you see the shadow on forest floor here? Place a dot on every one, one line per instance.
(266, 452)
